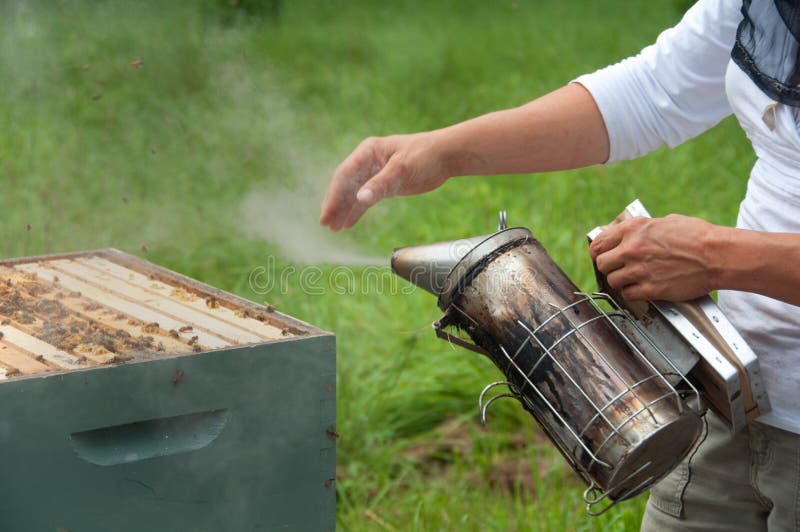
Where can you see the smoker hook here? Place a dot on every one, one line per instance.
(482, 407)
(502, 222)
(594, 495)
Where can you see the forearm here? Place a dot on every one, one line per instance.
(755, 261)
(561, 130)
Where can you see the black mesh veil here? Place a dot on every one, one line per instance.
(767, 47)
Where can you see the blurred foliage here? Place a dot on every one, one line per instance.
(239, 11)
(143, 126)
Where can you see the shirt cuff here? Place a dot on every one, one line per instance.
(604, 86)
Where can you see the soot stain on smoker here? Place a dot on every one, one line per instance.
(545, 379)
(527, 360)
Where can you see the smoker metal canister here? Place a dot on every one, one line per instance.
(619, 420)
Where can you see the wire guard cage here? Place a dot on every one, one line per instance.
(607, 396)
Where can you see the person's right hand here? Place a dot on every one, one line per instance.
(382, 167)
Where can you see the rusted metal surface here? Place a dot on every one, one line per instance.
(72, 311)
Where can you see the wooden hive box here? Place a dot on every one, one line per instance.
(136, 399)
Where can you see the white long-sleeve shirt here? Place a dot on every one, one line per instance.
(679, 87)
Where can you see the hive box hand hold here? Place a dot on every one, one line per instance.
(135, 398)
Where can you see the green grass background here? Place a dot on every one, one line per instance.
(156, 161)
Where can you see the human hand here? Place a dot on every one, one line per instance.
(382, 167)
(666, 258)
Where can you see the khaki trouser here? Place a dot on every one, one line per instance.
(748, 481)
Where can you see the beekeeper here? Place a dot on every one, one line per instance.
(723, 57)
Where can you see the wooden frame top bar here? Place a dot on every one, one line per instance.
(75, 310)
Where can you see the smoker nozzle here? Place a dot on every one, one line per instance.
(427, 266)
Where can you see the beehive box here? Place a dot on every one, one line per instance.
(134, 398)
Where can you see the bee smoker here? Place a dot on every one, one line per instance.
(618, 409)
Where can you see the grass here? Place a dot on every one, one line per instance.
(156, 157)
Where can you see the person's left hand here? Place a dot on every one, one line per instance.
(657, 258)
